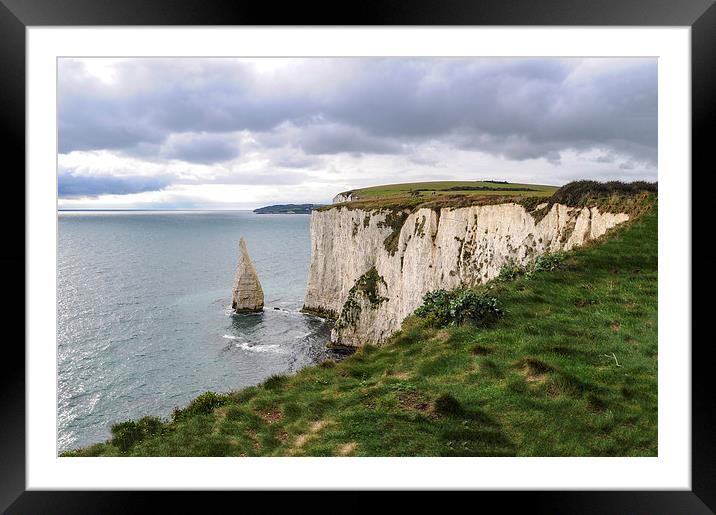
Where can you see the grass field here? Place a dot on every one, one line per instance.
(571, 370)
(452, 188)
(436, 195)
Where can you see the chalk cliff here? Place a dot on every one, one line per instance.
(248, 295)
(371, 268)
(346, 196)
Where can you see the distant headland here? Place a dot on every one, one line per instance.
(287, 209)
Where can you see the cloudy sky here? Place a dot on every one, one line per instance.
(242, 133)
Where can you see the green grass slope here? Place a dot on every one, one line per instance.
(571, 370)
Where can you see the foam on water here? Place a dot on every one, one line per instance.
(259, 348)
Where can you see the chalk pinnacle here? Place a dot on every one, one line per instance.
(248, 295)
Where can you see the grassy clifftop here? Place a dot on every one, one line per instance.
(570, 370)
(436, 194)
(611, 196)
(450, 188)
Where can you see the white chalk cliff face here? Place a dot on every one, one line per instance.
(373, 272)
(248, 295)
(343, 197)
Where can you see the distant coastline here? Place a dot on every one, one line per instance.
(288, 209)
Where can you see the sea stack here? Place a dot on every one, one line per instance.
(248, 296)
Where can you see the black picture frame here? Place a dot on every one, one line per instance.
(16, 15)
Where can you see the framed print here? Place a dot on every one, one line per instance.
(447, 247)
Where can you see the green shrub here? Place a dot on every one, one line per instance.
(633, 198)
(202, 405)
(544, 263)
(548, 262)
(126, 434)
(436, 307)
(442, 307)
(510, 271)
(575, 193)
(150, 426)
(469, 305)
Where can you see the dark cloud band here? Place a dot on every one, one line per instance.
(77, 186)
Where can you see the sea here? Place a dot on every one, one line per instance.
(144, 320)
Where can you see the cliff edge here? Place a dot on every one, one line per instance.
(371, 267)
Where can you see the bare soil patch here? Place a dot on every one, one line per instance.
(270, 416)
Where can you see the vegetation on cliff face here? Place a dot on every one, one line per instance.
(320, 312)
(394, 220)
(569, 370)
(367, 286)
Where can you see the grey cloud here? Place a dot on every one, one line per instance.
(604, 158)
(296, 161)
(517, 108)
(77, 186)
(74, 184)
(153, 98)
(331, 138)
(428, 161)
(262, 177)
(200, 148)
(430, 97)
